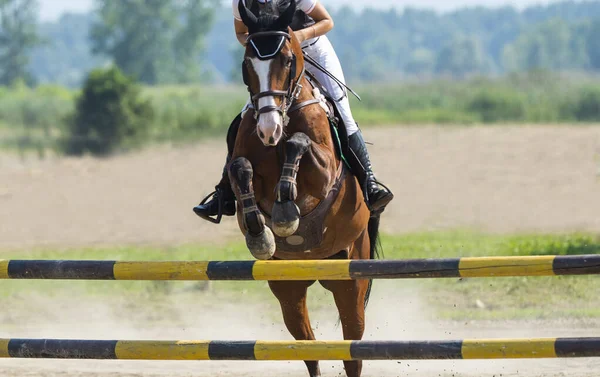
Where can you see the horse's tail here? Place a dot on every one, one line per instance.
(376, 250)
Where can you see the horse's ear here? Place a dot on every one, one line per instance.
(248, 18)
(286, 17)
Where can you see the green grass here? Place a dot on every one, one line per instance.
(456, 299)
(503, 298)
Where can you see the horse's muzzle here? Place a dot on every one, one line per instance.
(270, 128)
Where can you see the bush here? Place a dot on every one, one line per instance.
(497, 105)
(587, 106)
(39, 108)
(192, 112)
(109, 115)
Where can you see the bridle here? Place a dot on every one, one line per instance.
(294, 87)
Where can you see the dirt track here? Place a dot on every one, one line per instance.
(498, 179)
(395, 312)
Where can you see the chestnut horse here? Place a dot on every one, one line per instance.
(296, 200)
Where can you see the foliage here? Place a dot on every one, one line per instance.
(461, 57)
(475, 40)
(186, 113)
(155, 41)
(412, 42)
(109, 114)
(593, 45)
(33, 118)
(586, 106)
(497, 105)
(18, 35)
(66, 56)
(552, 45)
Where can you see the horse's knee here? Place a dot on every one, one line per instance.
(259, 239)
(241, 171)
(299, 140)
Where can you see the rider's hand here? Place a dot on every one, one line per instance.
(301, 35)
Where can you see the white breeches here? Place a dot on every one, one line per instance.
(322, 51)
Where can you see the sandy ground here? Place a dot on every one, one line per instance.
(496, 179)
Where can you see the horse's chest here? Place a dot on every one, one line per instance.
(311, 229)
(309, 235)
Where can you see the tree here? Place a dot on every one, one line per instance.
(237, 54)
(18, 35)
(593, 45)
(421, 62)
(109, 114)
(66, 58)
(461, 57)
(155, 41)
(554, 45)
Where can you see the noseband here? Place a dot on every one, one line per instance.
(290, 95)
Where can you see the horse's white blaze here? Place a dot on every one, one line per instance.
(268, 123)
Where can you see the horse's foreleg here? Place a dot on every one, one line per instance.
(259, 238)
(285, 214)
(292, 297)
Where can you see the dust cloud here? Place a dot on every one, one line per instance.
(394, 313)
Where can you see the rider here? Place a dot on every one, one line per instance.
(311, 23)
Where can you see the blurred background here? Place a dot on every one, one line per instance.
(483, 116)
(459, 62)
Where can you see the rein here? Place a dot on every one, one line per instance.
(294, 89)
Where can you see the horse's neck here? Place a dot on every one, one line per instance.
(317, 177)
(312, 119)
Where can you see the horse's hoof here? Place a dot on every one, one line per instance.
(262, 246)
(285, 218)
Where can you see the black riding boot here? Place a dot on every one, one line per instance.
(222, 201)
(375, 197)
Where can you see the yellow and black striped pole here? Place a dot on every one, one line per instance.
(303, 270)
(301, 350)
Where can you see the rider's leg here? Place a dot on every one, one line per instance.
(223, 189)
(322, 51)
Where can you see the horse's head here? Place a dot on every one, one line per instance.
(273, 68)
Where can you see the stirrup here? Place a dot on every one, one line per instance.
(216, 220)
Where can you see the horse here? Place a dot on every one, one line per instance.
(296, 199)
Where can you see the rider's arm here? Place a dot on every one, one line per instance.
(324, 23)
(241, 31)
